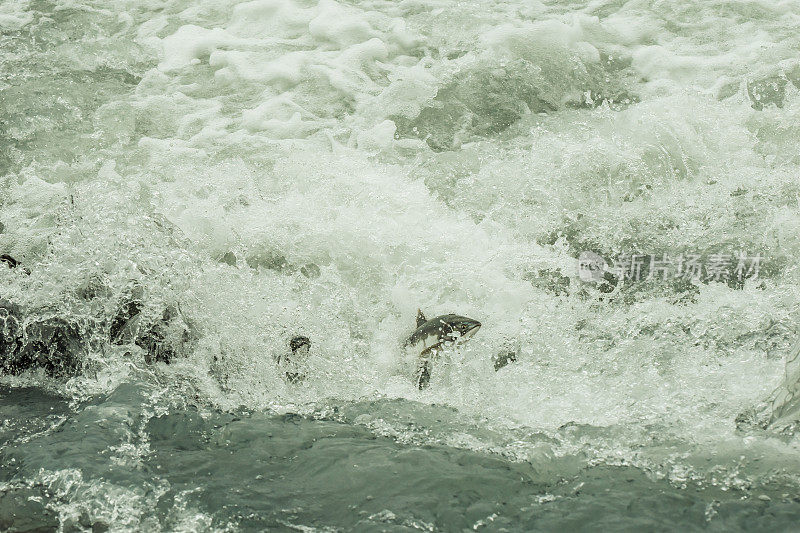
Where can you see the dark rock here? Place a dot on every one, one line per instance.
(54, 344)
(503, 359)
(10, 333)
(299, 343)
(422, 376)
(9, 261)
(163, 340)
(154, 346)
(299, 346)
(295, 377)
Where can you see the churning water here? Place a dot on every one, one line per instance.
(188, 184)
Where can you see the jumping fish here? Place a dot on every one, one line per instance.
(432, 336)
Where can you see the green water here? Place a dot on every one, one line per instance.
(187, 185)
(107, 466)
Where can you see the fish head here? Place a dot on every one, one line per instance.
(459, 328)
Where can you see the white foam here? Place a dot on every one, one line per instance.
(14, 14)
(425, 154)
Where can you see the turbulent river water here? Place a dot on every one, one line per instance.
(188, 184)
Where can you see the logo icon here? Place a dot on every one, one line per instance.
(591, 267)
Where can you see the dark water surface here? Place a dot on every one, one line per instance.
(252, 472)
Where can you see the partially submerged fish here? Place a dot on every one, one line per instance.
(434, 335)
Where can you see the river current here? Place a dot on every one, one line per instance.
(187, 185)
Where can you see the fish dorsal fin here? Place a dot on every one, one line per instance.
(420, 318)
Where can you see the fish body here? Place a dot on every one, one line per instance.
(434, 335)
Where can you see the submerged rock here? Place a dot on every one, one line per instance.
(310, 270)
(755, 417)
(781, 412)
(58, 344)
(126, 318)
(300, 344)
(24, 509)
(54, 344)
(269, 259)
(549, 280)
(165, 339)
(294, 362)
(228, 258)
(92, 288)
(503, 359)
(161, 339)
(10, 333)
